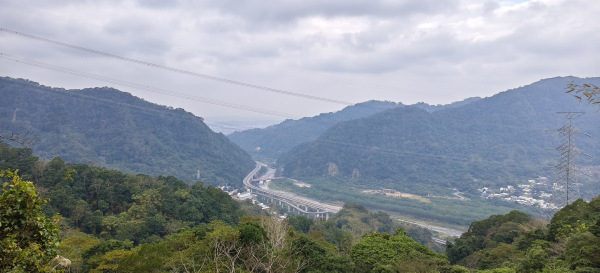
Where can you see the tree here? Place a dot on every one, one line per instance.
(583, 250)
(318, 258)
(73, 246)
(149, 258)
(18, 138)
(301, 224)
(110, 226)
(536, 258)
(29, 238)
(79, 211)
(93, 256)
(225, 246)
(109, 262)
(418, 262)
(383, 250)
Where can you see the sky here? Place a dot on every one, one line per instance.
(345, 51)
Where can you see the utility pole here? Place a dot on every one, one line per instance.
(565, 189)
(198, 174)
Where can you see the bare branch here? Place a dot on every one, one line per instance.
(19, 138)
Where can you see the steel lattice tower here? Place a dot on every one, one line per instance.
(565, 189)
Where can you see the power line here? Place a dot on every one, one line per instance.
(189, 97)
(138, 107)
(566, 189)
(221, 56)
(158, 66)
(193, 73)
(210, 101)
(143, 87)
(154, 40)
(169, 68)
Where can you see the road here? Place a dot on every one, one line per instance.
(290, 197)
(320, 205)
(458, 194)
(270, 174)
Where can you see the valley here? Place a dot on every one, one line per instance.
(412, 136)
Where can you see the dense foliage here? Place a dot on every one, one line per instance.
(354, 220)
(115, 205)
(28, 239)
(115, 129)
(259, 244)
(492, 142)
(117, 222)
(570, 242)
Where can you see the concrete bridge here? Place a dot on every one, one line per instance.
(294, 203)
(264, 178)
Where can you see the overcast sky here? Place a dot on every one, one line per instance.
(407, 51)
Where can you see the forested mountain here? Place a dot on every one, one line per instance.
(496, 141)
(432, 108)
(115, 129)
(280, 138)
(515, 242)
(115, 222)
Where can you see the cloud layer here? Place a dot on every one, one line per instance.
(409, 51)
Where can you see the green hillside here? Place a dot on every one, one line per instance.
(278, 139)
(115, 222)
(110, 128)
(569, 242)
(492, 142)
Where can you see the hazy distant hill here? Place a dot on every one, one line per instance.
(115, 129)
(280, 138)
(433, 108)
(277, 139)
(493, 141)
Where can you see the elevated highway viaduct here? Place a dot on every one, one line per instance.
(293, 202)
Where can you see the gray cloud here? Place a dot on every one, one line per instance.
(453, 49)
(286, 11)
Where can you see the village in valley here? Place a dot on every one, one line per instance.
(534, 193)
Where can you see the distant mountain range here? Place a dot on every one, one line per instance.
(493, 141)
(110, 128)
(271, 142)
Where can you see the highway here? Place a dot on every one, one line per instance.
(296, 202)
(288, 198)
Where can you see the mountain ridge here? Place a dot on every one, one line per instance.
(115, 129)
(498, 140)
(270, 142)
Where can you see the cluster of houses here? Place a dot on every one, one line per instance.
(530, 194)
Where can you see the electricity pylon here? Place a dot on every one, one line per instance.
(565, 189)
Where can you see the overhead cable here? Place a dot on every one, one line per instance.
(223, 80)
(222, 56)
(143, 87)
(205, 100)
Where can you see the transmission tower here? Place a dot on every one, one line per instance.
(566, 189)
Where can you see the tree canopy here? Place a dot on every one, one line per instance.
(29, 239)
